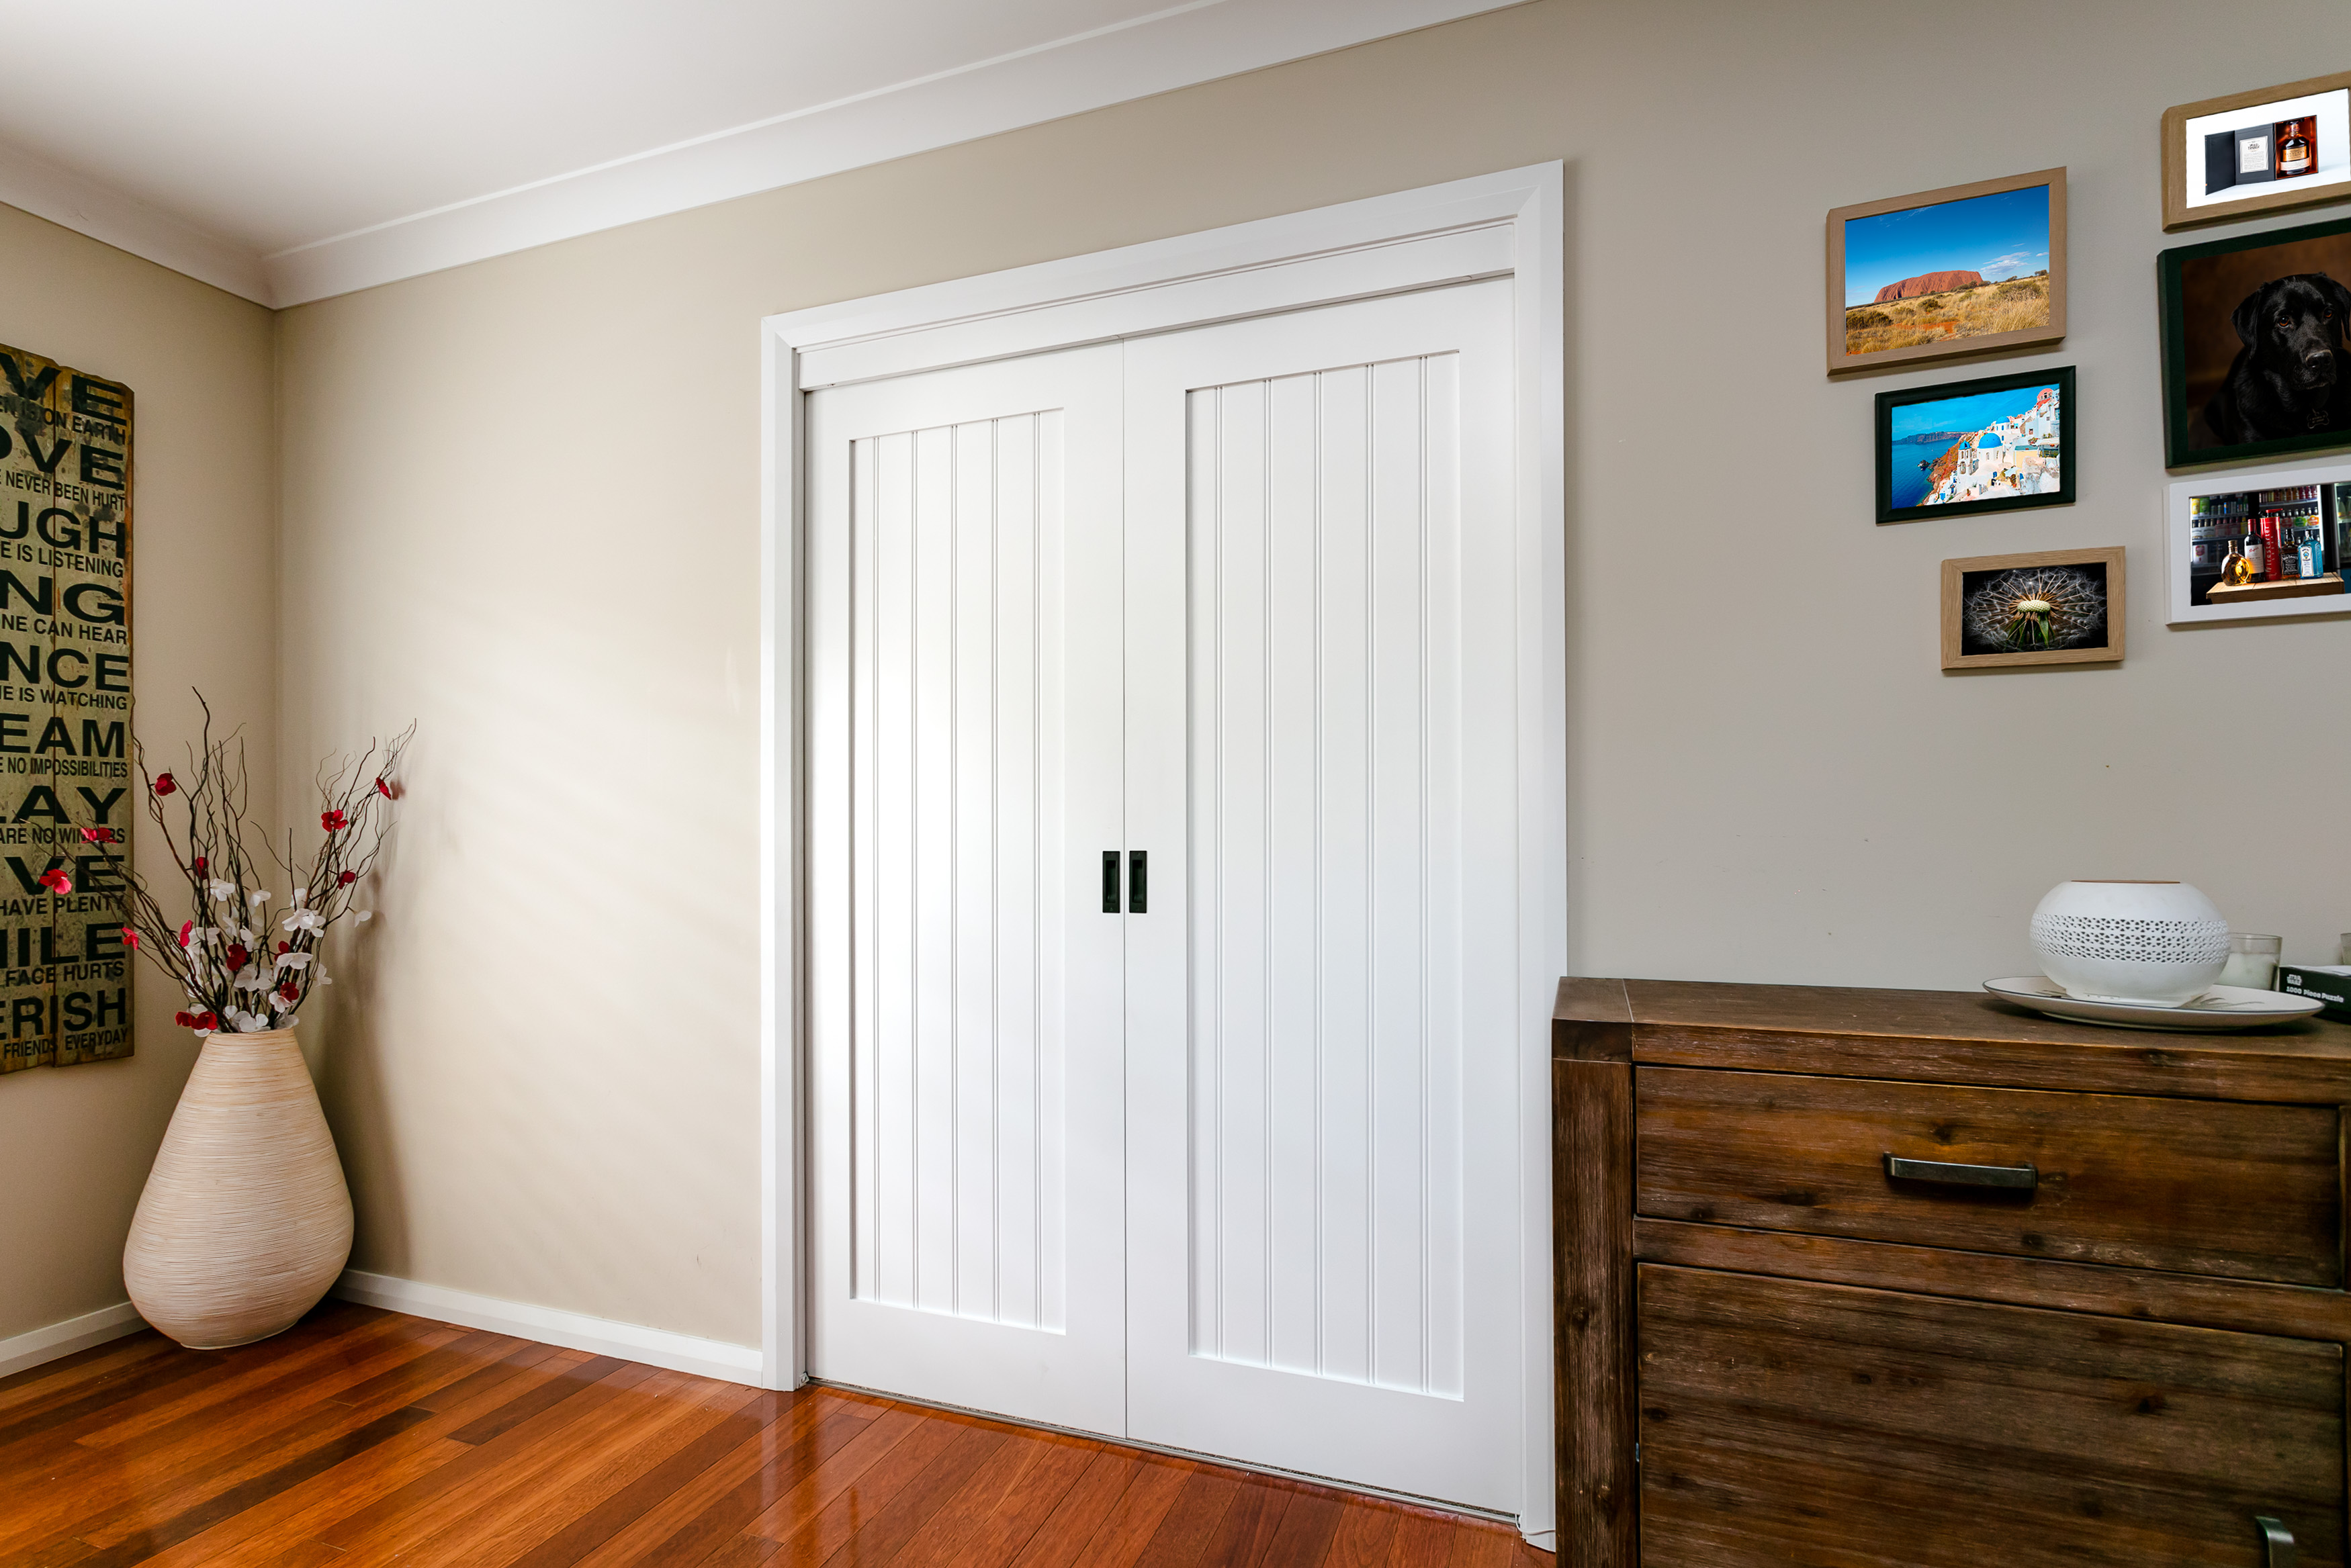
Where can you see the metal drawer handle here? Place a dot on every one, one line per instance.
(2279, 1539)
(2010, 1176)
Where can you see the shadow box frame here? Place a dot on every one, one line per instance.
(1840, 363)
(2177, 214)
(2179, 585)
(2113, 557)
(1882, 443)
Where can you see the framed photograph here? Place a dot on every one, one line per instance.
(2047, 607)
(2253, 347)
(2264, 545)
(2262, 151)
(1945, 274)
(1995, 445)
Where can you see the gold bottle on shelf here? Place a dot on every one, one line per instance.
(2236, 570)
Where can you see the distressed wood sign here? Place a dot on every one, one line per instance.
(65, 711)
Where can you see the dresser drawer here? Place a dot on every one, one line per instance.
(2243, 1191)
(1787, 1422)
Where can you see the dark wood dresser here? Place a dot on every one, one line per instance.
(1889, 1279)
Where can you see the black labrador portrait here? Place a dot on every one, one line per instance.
(2288, 378)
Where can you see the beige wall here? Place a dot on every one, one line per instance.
(521, 504)
(76, 1142)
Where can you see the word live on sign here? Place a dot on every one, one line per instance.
(65, 711)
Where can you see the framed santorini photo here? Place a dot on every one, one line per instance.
(2264, 544)
(2047, 607)
(1999, 444)
(2267, 151)
(1943, 275)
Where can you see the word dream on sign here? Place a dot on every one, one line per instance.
(65, 711)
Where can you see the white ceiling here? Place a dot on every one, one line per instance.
(288, 149)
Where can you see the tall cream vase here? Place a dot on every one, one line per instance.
(245, 1220)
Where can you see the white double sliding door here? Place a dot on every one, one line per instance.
(1166, 761)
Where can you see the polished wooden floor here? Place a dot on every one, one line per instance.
(362, 1436)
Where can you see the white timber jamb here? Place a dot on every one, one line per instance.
(1506, 225)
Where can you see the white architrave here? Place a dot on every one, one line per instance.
(1507, 225)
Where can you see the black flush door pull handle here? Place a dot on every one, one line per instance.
(1138, 882)
(2013, 1177)
(2278, 1539)
(1110, 881)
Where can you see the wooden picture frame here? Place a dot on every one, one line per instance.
(2105, 573)
(2203, 282)
(2184, 208)
(2026, 431)
(1843, 359)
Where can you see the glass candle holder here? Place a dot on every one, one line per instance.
(2252, 962)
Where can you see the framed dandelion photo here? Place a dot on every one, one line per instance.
(2046, 607)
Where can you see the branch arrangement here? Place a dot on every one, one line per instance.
(245, 962)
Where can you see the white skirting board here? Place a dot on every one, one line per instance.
(551, 1325)
(61, 1339)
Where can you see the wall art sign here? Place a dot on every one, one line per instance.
(2046, 607)
(2264, 543)
(65, 711)
(1993, 445)
(1950, 272)
(2260, 151)
(2253, 347)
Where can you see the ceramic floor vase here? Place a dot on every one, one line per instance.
(246, 1219)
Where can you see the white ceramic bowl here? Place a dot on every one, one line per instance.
(2130, 942)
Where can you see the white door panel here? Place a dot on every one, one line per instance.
(965, 984)
(1322, 1242)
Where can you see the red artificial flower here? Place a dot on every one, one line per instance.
(97, 834)
(131, 938)
(237, 955)
(347, 878)
(55, 880)
(200, 864)
(331, 820)
(284, 946)
(290, 991)
(186, 1020)
(382, 788)
(165, 783)
(187, 929)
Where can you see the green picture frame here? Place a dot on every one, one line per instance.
(1934, 455)
(2199, 289)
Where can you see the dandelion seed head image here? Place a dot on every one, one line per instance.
(2034, 609)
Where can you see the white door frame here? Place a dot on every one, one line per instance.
(1510, 224)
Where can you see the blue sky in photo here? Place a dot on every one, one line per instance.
(1963, 413)
(2005, 235)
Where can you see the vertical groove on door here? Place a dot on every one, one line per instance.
(1325, 1070)
(957, 1172)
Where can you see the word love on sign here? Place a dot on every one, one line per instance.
(65, 711)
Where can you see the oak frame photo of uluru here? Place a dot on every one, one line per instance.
(1948, 273)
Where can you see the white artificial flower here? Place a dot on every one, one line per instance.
(204, 1034)
(250, 978)
(364, 915)
(279, 1004)
(305, 920)
(293, 961)
(259, 896)
(322, 978)
(223, 891)
(301, 897)
(249, 1022)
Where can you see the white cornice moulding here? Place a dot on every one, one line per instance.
(128, 225)
(1154, 54)
(62, 1339)
(552, 1325)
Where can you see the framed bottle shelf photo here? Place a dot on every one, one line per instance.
(2258, 545)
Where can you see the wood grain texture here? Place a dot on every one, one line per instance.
(2196, 1187)
(361, 1437)
(2298, 1311)
(2268, 197)
(1592, 1020)
(1593, 1188)
(1968, 1037)
(245, 1221)
(1787, 1421)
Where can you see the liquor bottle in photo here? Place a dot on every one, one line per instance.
(2235, 569)
(2272, 559)
(2298, 147)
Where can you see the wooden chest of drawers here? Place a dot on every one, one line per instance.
(1889, 1279)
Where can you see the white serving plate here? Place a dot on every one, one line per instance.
(2223, 1007)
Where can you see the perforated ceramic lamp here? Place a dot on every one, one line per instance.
(2130, 942)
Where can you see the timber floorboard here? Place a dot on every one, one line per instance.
(361, 1437)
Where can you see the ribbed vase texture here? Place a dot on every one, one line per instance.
(246, 1219)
